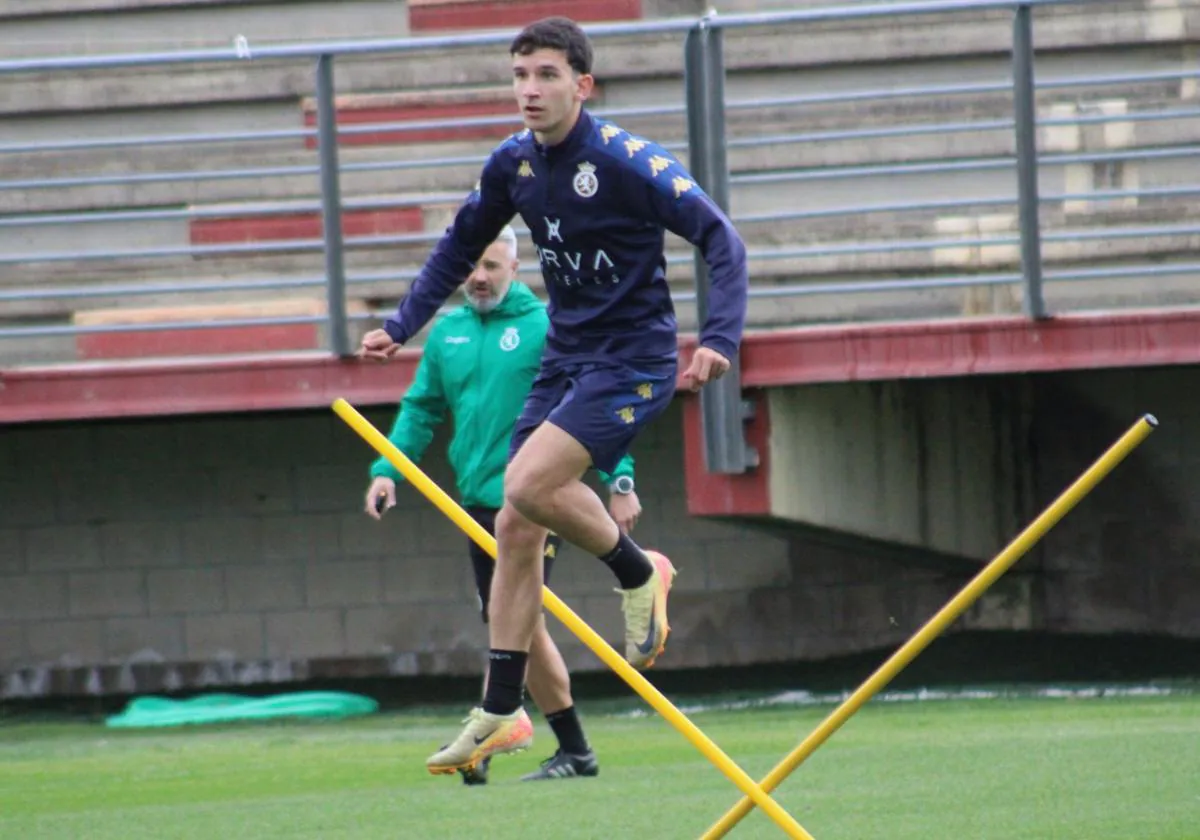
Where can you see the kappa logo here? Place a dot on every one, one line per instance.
(458, 339)
(681, 186)
(626, 414)
(525, 170)
(634, 146)
(645, 391)
(608, 132)
(586, 182)
(657, 164)
(647, 647)
(511, 340)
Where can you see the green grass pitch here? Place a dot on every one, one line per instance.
(1066, 769)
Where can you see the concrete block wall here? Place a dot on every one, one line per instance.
(937, 464)
(143, 555)
(1129, 558)
(203, 551)
(1125, 560)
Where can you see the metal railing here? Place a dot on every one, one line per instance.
(793, 260)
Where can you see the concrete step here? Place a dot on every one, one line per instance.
(417, 169)
(447, 106)
(107, 27)
(814, 47)
(40, 138)
(302, 334)
(426, 16)
(244, 223)
(784, 177)
(848, 251)
(846, 303)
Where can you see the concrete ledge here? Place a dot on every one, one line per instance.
(425, 147)
(429, 15)
(811, 48)
(834, 353)
(835, 234)
(420, 106)
(216, 340)
(307, 225)
(55, 8)
(135, 26)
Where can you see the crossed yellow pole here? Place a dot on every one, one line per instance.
(573, 622)
(943, 618)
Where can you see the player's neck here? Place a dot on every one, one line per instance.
(561, 131)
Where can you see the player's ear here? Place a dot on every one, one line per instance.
(585, 83)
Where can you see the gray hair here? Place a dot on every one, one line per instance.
(509, 237)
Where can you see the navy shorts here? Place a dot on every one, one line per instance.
(603, 406)
(485, 567)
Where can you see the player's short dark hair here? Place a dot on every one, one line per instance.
(556, 33)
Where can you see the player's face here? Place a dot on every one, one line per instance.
(549, 93)
(493, 274)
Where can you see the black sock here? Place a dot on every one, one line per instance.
(568, 731)
(631, 566)
(506, 681)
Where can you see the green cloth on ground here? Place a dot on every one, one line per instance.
(229, 708)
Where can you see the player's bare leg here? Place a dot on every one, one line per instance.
(515, 607)
(500, 725)
(550, 686)
(548, 679)
(543, 492)
(543, 484)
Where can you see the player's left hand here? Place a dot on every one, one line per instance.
(706, 366)
(625, 509)
(378, 345)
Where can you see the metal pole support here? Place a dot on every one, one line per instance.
(331, 209)
(723, 410)
(1025, 113)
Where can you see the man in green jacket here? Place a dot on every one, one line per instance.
(479, 363)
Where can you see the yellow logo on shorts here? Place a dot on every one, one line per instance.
(645, 391)
(626, 414)
(551, 550)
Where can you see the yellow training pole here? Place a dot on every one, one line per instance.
(574, 623)
(940, 621)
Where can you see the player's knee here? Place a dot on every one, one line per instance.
(516, 531)
(525, 493)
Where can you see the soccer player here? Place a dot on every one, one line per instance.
(597, 201)
(479, 364)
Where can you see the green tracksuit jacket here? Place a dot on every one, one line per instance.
(481, 368)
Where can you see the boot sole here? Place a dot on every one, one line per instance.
(472, 762)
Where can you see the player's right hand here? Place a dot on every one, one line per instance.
(381, 497)
(377, 344)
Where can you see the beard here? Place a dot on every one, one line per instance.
(485, 305)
